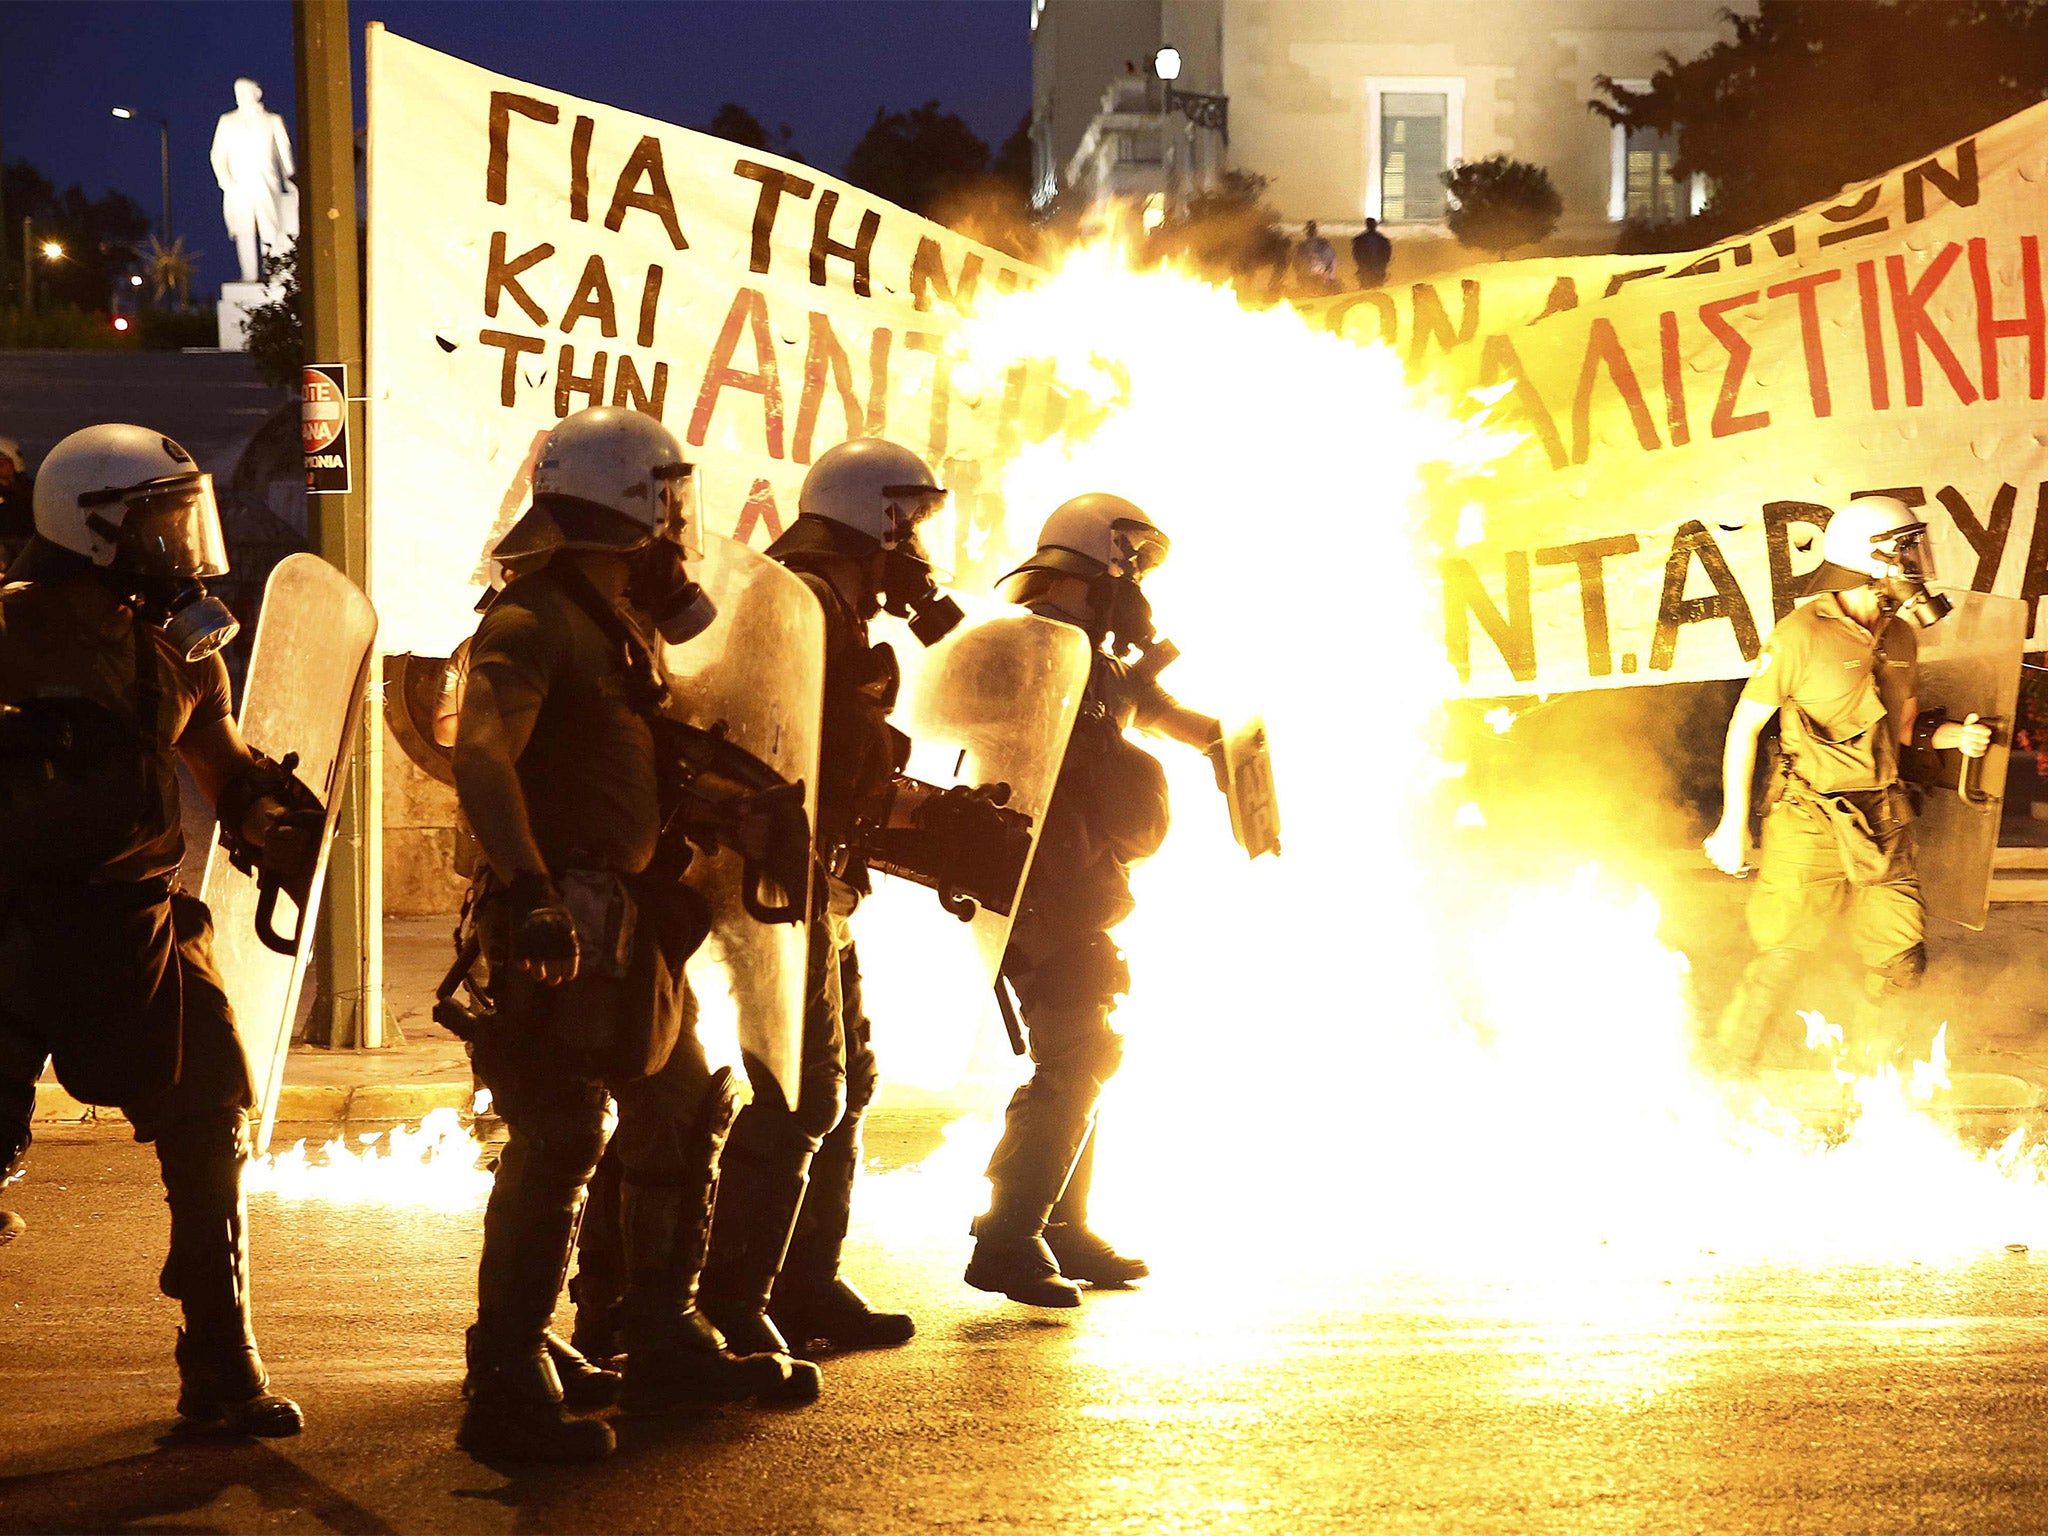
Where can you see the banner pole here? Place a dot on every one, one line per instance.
(349, 954)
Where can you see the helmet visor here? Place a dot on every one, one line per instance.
(1916, 555)
(167, 527)
(680, 498)
(1141, 548)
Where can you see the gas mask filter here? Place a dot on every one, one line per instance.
(910, 592)
(659, 585)
(167, 542)
(1126, 614)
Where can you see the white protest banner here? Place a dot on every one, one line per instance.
(532, 254)
(1691, 418)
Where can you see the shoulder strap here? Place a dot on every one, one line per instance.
(648, 688)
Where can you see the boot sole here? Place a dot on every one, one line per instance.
(1057, 1300)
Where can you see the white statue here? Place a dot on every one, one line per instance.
(252, 161)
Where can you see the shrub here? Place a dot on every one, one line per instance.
(1498, 204)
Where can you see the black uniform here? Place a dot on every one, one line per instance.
(106, 966)
(790, 1174)
(624, 1027)
(1109, 811)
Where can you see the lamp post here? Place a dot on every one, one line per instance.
(163, 129)
(1203, 111)
(52, 252)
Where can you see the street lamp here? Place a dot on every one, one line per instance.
(1202, 111)
(52, 252)
(163, 128)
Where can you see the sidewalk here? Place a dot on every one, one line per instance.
(1991, 987)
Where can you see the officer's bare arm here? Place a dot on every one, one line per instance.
(1730, 840)
(1970, 737)
(217, 755)
(498, 714)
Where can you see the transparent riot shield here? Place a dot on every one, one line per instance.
(756, 678)
(1969, 665)
(308, 676)
(994, 704)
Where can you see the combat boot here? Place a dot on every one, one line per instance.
(586, 1386)
(813, 1303)
(1081, 1255)
(837, 1316)
(760, 1189)
(1011, 1259)
(222, 1384)
(515, 1410)
(675, 1357)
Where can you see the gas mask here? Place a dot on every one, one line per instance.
(1904, 584)
(910, 592)
(658, 584)
(166, 543)
(1125, 614)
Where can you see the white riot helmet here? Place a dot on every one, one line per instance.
(1879, 540)
(1098, 534)
(874, 487)
(133, 504)
(870, 494)
(614, 479)
(1111, 544)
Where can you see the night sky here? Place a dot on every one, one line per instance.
(822, 66)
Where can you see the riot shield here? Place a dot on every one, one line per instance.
(421, 700)
(756, 678)
(993, 704)
(308, 676)
(1248, 775)
(1969, 665)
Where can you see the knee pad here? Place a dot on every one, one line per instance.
(564, 1151)
(863, 1077)
(821, 1104)
(1901, 973)
(767, 1132)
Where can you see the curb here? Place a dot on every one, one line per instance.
(297, 1104)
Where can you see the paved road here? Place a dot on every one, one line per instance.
(211, 402)
(1261, 1400)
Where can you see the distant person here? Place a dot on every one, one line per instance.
(17, 502)
(1318, 259)
(1371, 251)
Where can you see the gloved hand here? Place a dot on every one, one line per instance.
(543, 932)
(1219, 764)
(291, 851)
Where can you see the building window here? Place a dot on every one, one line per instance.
(1414, 133)
(1648, 189)
(1138, 149)
(1412, 160)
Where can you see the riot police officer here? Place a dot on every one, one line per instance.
(109, 667)
(585, 926)
(774, 1269)
(1840, 675)
(1108, 812)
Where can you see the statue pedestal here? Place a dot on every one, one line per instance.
(236, 300)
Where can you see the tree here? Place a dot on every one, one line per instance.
(1015, 161)
(1498, 204)
(99, 236)
(277, 331)
(918, 159)
(1808, 95)
(1227, 233)
(733, 121)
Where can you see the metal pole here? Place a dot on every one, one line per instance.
(349, 957)
(28, 273)
(163, 125)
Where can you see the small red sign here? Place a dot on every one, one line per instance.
(323, 422)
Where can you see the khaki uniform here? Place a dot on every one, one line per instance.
(1838, 837)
